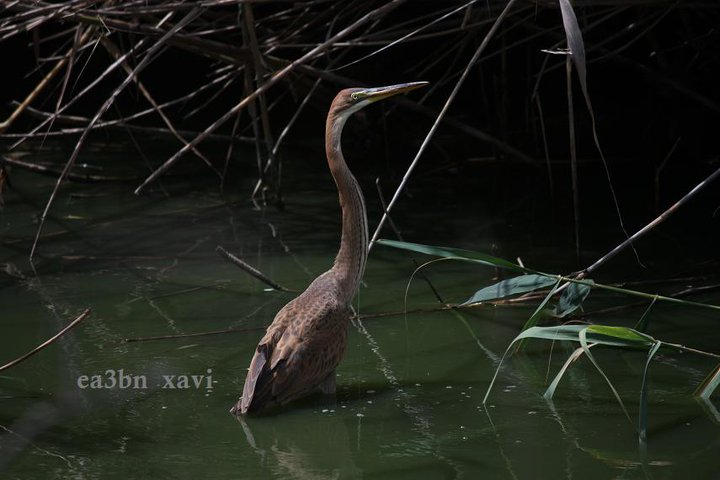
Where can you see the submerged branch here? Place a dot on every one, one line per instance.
(254, 272)
(191, 335)
(46, 342)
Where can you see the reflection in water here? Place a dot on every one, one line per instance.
(321, 452)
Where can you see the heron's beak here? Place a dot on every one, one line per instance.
(380, 93)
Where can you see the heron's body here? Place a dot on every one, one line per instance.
(306, 340)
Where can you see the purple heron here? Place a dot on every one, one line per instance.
(306, 340)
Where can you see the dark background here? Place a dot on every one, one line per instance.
(651, 78)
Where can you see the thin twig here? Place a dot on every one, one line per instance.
(459, 125)
(576, 48)
(251, 270)
(46, 342)
(573, 156)
(114, 51)
(119, 124)
(108, 103)
(640, 233)
(659, 169)
(400, 237)
(267, 85)
(367, 316)
(191, 335)
(3, 182)
(285, 131)
(440, 116)
(35, 92)
(682, 293)
(259, 66)
(78, 177)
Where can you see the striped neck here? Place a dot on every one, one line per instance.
(350, 262)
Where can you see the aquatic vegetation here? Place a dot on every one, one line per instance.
(570, 293)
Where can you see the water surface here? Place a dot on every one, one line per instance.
(410, 394)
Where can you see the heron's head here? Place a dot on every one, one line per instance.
(351, 100)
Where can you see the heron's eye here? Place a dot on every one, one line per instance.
(354, 96)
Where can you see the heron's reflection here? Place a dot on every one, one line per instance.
(314, 441)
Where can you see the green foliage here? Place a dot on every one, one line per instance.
(574, 293)
(642, 415)
(541, 310)
(572, 299)
(511, 286)
(454, 253)
(584, 334)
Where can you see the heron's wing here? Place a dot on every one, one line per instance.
(303, 359)
(293, 358)
(259, 366)
(267, 379)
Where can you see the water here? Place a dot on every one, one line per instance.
(410, 394)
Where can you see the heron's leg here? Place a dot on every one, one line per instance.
(328, 385)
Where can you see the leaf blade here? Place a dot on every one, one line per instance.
(572, 298)
(709, 384)
(457, 253)
(511, 286)
(642, 414)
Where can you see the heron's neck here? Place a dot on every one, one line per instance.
(350, 261)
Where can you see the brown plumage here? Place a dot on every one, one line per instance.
(306, 340)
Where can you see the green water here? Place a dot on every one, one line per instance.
(410, 388)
